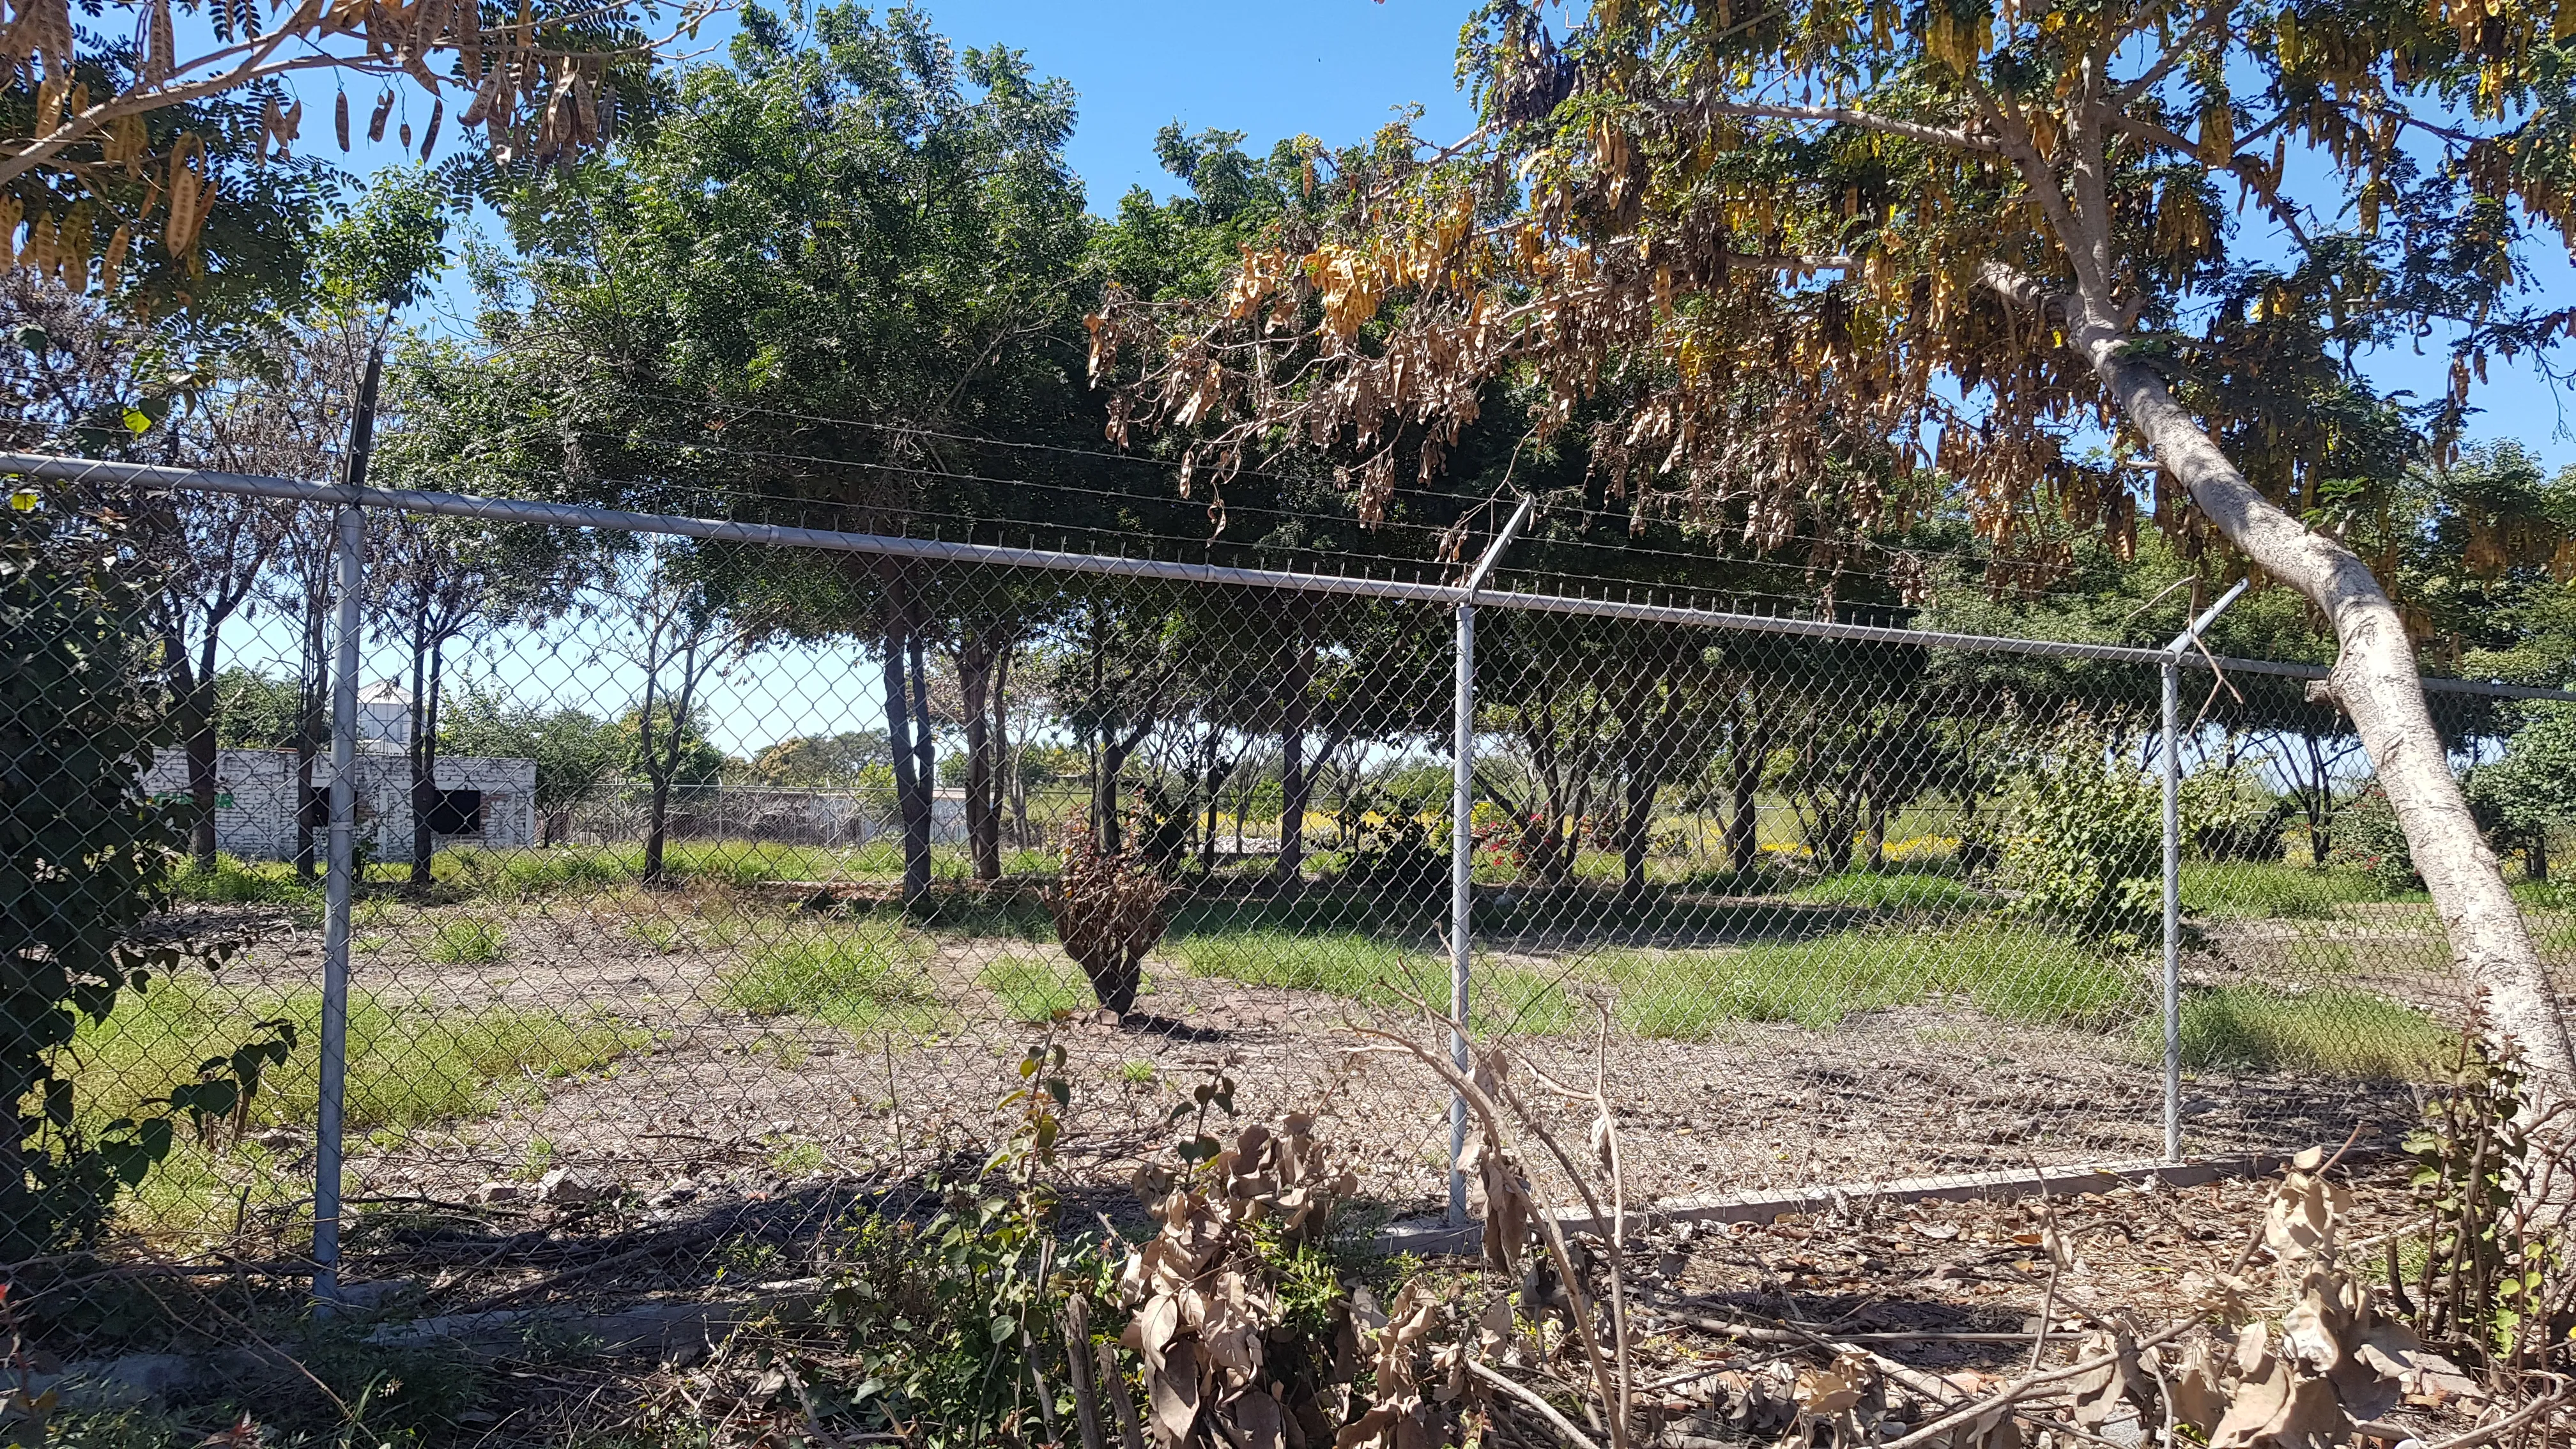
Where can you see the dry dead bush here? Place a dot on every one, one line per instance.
(1108, 909)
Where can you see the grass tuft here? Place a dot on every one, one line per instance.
(859, 976)
(2351, 1034)
(1035, 988)
(2013, 973)
(1379, 973)
(237, 882)
(2271, 890)
(467, 941)
(1892, 890)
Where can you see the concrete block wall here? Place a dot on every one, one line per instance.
(256, 794)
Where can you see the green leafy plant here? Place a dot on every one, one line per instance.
(469, 941)
(2496, 1278)
(85, 856)
(2085, 838)
(2368, 836)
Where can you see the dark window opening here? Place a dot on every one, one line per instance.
(456, 812)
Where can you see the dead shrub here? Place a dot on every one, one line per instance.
(1108, 909)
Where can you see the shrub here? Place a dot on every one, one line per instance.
(2367, 835)
(2087, 839)
(84, 858)
(1108, 911)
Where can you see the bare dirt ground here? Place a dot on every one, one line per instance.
(715, 1103)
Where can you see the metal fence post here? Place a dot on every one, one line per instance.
(1462, 851)
(2172, 702)
(2172, 705)
(340, 883)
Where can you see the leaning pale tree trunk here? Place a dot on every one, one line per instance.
(2374, 680)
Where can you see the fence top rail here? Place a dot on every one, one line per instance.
(57, 468)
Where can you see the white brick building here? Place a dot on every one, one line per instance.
(481, 801)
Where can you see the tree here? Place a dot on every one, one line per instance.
(575, 754)
(88, 858)
(122, 151)
(1945, 238)
(679, 634)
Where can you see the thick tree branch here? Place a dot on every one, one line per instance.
(1837, 115)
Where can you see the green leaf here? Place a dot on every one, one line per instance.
(137, 421)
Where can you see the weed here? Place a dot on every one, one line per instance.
(2336, 1033)
(2013, 973)
(537, 1159)
(1138, 1072)
(467, 941)
(659, 935)
(858, 976)
(1892, 890)
(796, 1159)
(2271, 890)
(1036, 988)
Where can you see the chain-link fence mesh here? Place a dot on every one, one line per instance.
(710, 886)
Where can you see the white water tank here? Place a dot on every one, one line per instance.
(384, 717)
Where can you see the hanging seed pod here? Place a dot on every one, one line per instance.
(402, 135)
(111, 266)
(160, 50)
(12, 210)
(341, 116)
(429, 134)
(487, 97)
(376, 122)
(189, 195)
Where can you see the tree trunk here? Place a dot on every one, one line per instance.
(424, 753)
(975, 672)
(1743, 789)
(1295, 785)
(2375, 680)
(925, 751)
(194, 684)
(1632, 834)
(2535, 857)
(910, 808)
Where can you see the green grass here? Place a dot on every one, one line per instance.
(2271, 890)
(237, 882)
(858, 975)
(1036, 987)
(410, 1066)
(1892, 890)
(1375, 972)
(467, 941)
(2012, 973)
(2336, 1033)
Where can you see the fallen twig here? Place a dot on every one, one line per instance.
(2484, 1433)
(1542, 1407)
(2021, 1388)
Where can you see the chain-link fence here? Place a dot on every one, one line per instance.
(711, 873)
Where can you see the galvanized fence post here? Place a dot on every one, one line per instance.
(349, 557)
(1462, 851)
(2172, 702)
(2172, 705)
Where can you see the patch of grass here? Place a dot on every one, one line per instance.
(1138, 1072)
(2008, 972)
(857, 975)
(541, 871)
(1363, 968)
(2350, 1034)
(1036, 987)
(237, 882)
(410, 1064)
(796, 1159)
(1892, 890)
(2271, 890)
(467, 941)
(537, 1159)
(658, 935)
